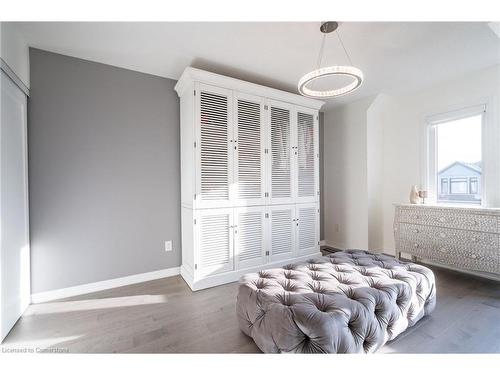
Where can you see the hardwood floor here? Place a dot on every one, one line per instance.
(165, 316)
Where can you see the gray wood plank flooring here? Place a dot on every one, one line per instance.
(165, 316)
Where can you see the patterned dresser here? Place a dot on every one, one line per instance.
(463, 238)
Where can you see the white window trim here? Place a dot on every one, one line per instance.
(490, 155)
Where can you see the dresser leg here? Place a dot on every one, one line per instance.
(414, 258)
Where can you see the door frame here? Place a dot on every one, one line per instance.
(25, 295)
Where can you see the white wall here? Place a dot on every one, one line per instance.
(345, 176)
(403, 134)
(373, 155)
(14, 51)
(376, 117)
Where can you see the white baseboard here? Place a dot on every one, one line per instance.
(103, 285)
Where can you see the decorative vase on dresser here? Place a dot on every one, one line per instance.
(414, 198)
(462, 238)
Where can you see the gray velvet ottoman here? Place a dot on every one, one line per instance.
(348, 302)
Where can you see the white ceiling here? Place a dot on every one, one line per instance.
(394, 57)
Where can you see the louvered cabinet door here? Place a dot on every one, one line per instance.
(281, 239)
(250, 142)
(214, 147)
(307, 228)
(214, 248)
(281, 154)
(249, 236)
(307, 156)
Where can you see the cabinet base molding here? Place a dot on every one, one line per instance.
(229, 277)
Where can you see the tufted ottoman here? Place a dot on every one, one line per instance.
(348, 302)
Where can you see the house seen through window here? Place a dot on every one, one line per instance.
(459, 167)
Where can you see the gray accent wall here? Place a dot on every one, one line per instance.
(104, 175)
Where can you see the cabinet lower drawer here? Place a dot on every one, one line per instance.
(471, 250)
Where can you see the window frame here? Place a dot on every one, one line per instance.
(430, 177)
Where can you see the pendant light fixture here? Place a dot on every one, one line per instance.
(307, 81)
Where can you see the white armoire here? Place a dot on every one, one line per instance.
(250, 177)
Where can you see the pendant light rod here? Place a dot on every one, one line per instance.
(342, 44)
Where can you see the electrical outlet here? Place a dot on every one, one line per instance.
(168, 245)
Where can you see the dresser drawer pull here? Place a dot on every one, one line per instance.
(416, 245)
(416, 231)
(443, 250)
(472, 256)
(442, 219)
(474, 239)
(442, 235)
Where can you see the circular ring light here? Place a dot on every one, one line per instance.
(328, 71)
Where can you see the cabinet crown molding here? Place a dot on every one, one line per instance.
(191, 75)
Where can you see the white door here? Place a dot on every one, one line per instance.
(249, 236)
(307, 155)
(250, 146)
(281, 153)
(15, 253)
(214, 233)
(214, 146)
(281, 239)
(307, 228)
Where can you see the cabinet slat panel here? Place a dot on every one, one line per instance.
(214, 240)
(307, 227)
(249, 150)
(306, 156)
(280, 153)
(281, 231)
(250, 235)
(214, 146)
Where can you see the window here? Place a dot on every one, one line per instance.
(458, 186)
(444, 186)
(473, 185)
(455, 156)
